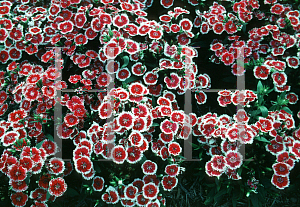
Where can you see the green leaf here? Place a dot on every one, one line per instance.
(260, 87)
(72, 192)
(50, 137)
(219, 195)
(48, 195)
(155, 124)
(126, 61)
(264, 111)
(131, 79)
(39, 145)
(262, 139)
(286, 109)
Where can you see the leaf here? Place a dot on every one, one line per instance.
(262, 139)
(39, 145)
(48, 195)
(264, 111)
(126, 61)
(219, 195)
(155, 124)
(72, 192)
(50, 137)
(286, 109)
(260, 87)
(131, 79)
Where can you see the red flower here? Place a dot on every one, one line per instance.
(201, 97)
(57, 187)
(56, 165)
(4, 56)
(80, 39)
(134, 155)
(210, 171)
(279, 78)
(97, 25)
(78, 110)
(169, 182)
(98, 183)
(292, 62)
(143, 29)
(80, 19)
(136, 89)
(49, 91)
(27, 163)
(66, 27)
(172, 170)
(174, 148)
(165, 18)
(292, 97)
(284, 157)
(149, 167)
(50, 147)
(18, 186)
(241, 116)
(227, 58)
(15, 34)
(281, 169)
(125, 119)
(163, 101)
(130, 192)
(9, 138)
(111, 50)
(111, 197)
(150, 78)
(123, 74)
(280, 182)
(33, 78)
(265, 125)
(119, 154)
(32, 93)
(230, 27)
(90, 33)
(150, 191)
(138, 69)
(218, 28)
(183, 39)
(233, 159)
(218, 163)
(173, 81)
(17, 115)
(168, 127)
(204, 28)
(120, 20)
(136, 138)
(186, 24)
(132, 47)
(175, 28)
(277, 9)
(166, 3)
(261, 72)
(19, 199)
(83, 164)
(17, 173)
(71, 120)
(155, 34)
(274, 147)
(39, 194)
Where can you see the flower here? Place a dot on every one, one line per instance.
(150, 191)
(56, 165)
(83, 164)
(280, 182)
(119, 154)
(166, 3)
(233, 159)
(98, 183)
(174, 148)
(172, 170)
(130, 192)
(19, 199)
(169, 182)
(57, 187)
(17, 173)
(134, 155)
(149, 167)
